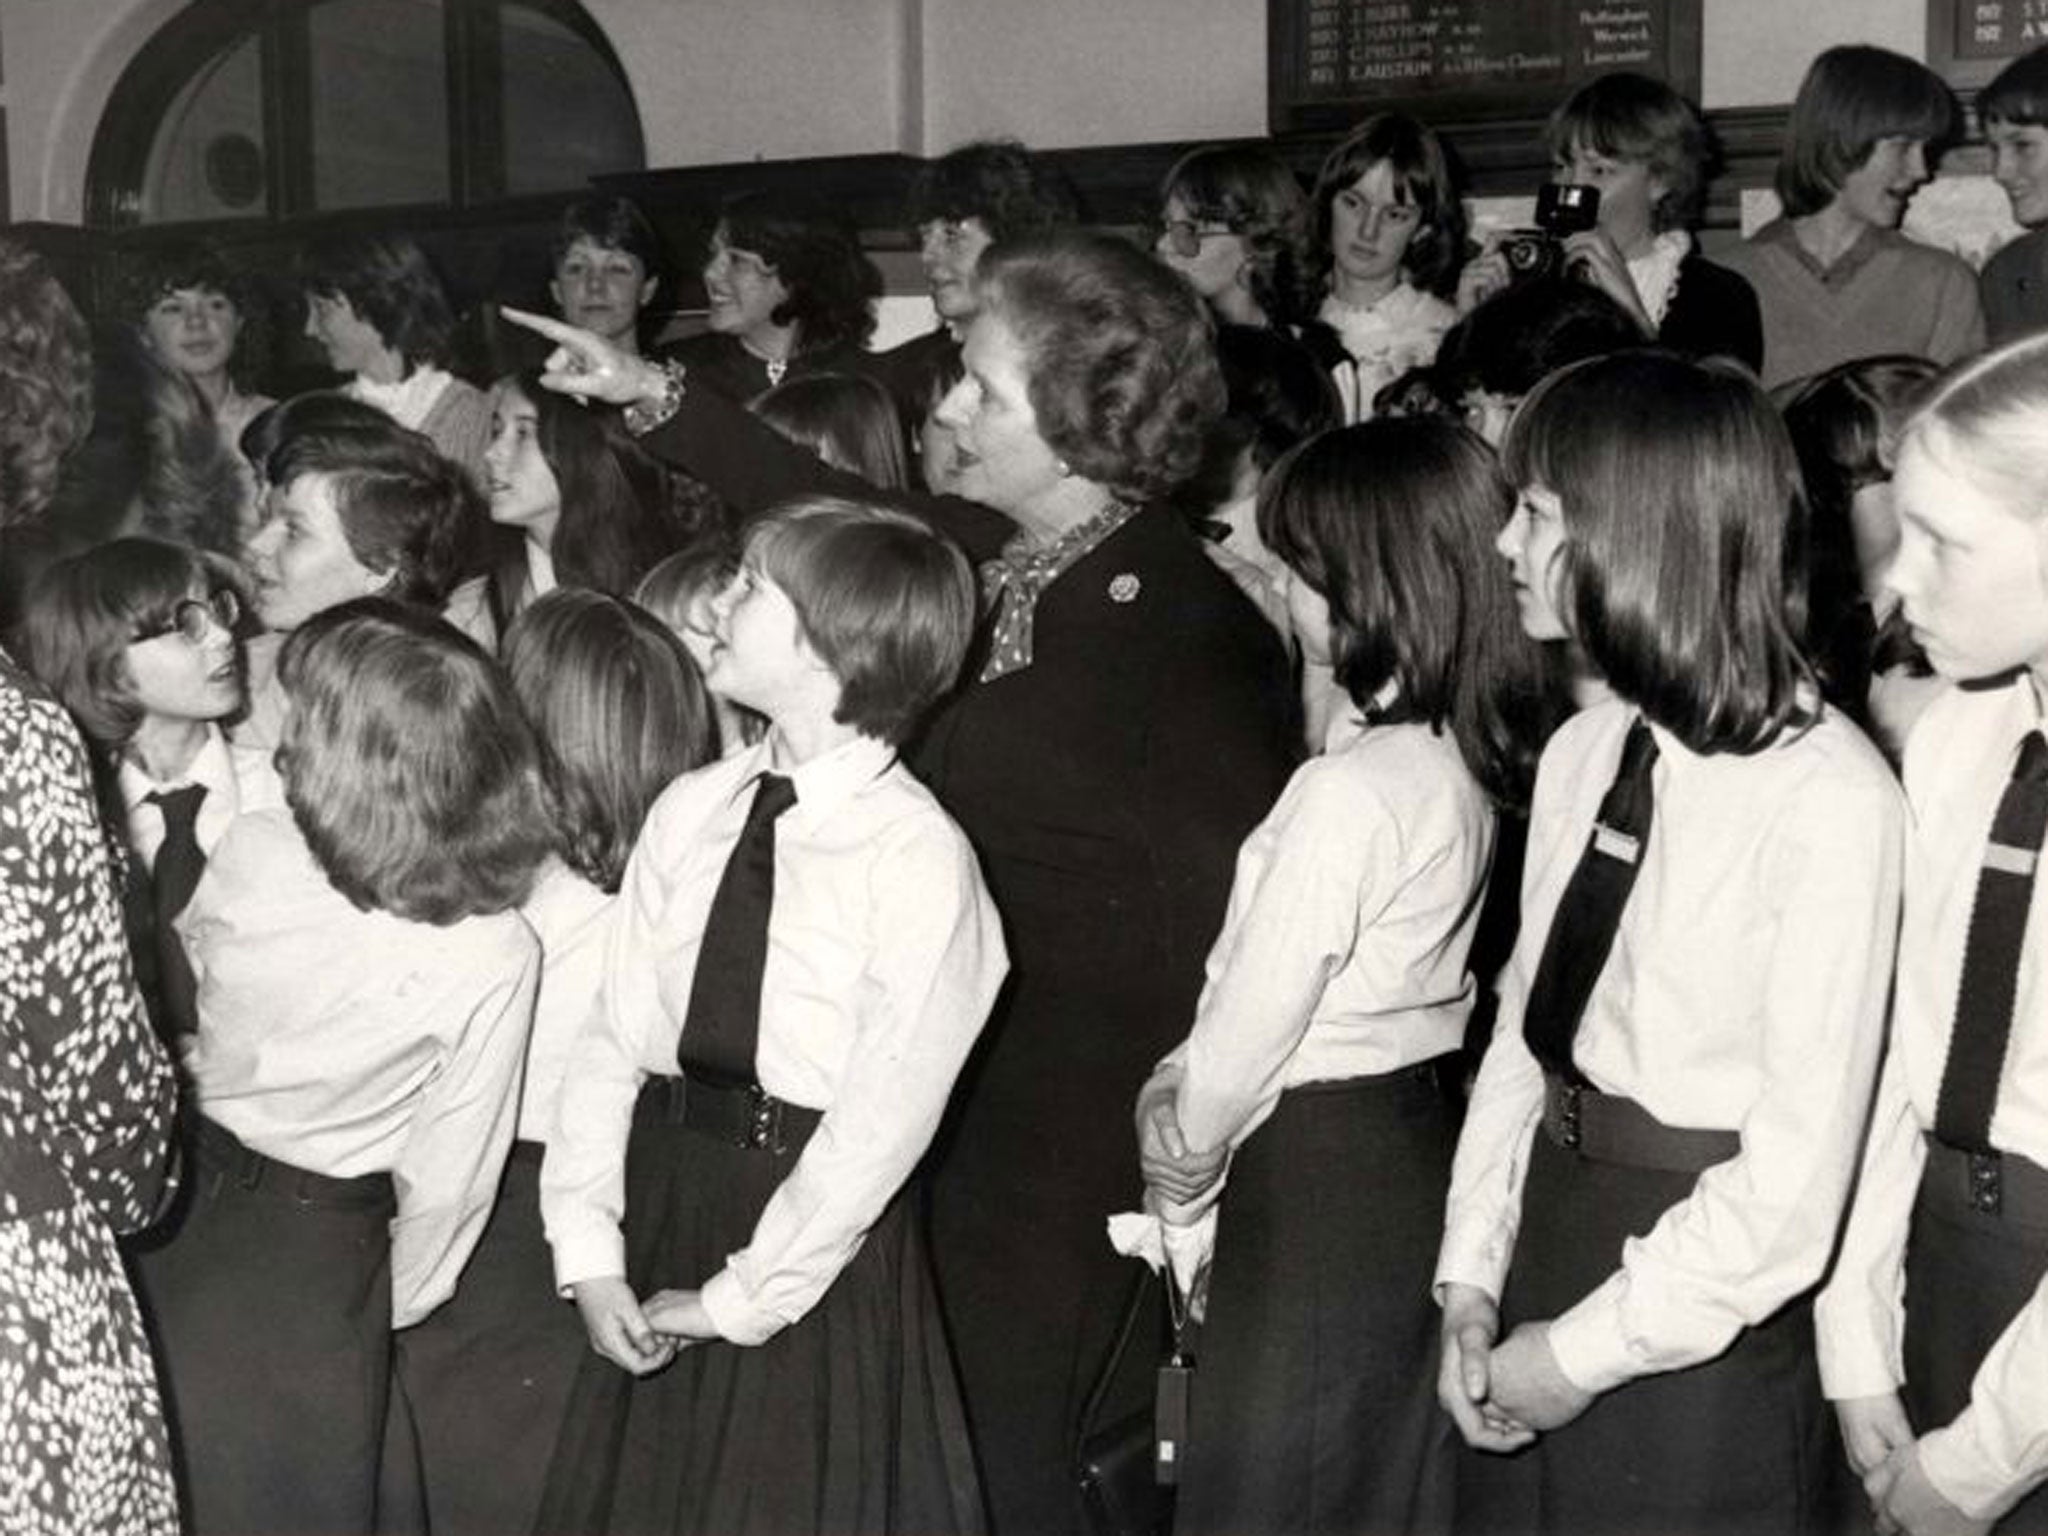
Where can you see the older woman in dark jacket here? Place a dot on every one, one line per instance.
(1125, 724)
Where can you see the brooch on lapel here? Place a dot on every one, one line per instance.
(1123, 588)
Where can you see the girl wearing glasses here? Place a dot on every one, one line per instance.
(1391, 231)
(1236, 224)
(137, 638)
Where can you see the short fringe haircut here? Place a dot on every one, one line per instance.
(1684, 522)
(1851, 97)
(1636, 118)
(2018, 94)
(87, 609)
(998, 181)
(409, 765)
(887, 603)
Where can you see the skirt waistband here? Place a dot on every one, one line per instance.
(744, 1115)
(1610, 1129)
(221, 1151)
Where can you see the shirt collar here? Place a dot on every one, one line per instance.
(211, 766)
(824, 783)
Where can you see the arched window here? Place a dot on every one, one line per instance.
(282, 108)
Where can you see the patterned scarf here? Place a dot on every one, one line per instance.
(1013, 580)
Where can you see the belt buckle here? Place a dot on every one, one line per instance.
(763, 1130)
(1569, 1129)
(1987, 1183)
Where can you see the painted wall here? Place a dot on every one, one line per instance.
(726, 80)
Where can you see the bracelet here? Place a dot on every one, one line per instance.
(641, 417)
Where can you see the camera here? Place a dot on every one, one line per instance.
(1562, 209)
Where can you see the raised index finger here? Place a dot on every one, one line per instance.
(555, 330)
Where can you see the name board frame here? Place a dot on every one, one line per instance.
(1331, 62)
(1969, 41)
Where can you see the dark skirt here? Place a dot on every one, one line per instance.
(1968, 1273)
(271, 1310)
(1741, 1445)
(847, 1421)
(485, 1380)
(1314, 1404)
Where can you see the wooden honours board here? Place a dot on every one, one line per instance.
(1333, 61)
(1969, 41)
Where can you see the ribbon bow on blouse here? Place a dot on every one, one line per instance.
(1012, 582)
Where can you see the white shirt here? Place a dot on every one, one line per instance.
(1958, 760)
(1385, 339)
(1745, 992)
(572, 919)
(1343, 948)
(237, 779)
(348, 1042)
(884, 956)
(409, 401)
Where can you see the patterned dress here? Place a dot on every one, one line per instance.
(86, 1099)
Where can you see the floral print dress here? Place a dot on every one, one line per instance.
(86, 1100)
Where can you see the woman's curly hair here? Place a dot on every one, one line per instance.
(45, 382)
(1120, 356)
(832, 284)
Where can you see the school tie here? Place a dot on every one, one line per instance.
(1991, 955)
(173, 879)
(722, 1025)
(1582, 932)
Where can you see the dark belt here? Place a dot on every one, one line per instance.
(219, 1150)
(1992, 1183)
(1608, 1129)
(744, 1115)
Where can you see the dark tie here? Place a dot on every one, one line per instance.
(175, 876)
(1991, 955)
(722, 1026)
(1582, 932)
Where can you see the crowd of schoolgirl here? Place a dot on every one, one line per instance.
(1616, 1094)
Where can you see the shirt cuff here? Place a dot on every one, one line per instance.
(1591, 1342)
(598, 1253)
(1857, 1355)
(1965, 1471)
(733, 1314)
(1477, 1259)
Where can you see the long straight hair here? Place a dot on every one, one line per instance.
(1393, 522)
(1684, 524)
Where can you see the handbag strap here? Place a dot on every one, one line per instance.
(1105, 1377)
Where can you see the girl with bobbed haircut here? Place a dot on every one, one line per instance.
(409, 765)
(1834, 276)
(84, 613)
(1609, 1315)
(1681, 576)
(1339, 985)
(390, 284)
(1375, 519)
(618, 710)
(848, 420)
(1123, 372)
(1627, 116)
(1254, 195)
(1853, 96)
(886, 602)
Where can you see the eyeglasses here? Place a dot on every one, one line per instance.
(195, 617)
(1185, 238)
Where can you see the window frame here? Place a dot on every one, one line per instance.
(167, 63)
